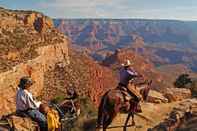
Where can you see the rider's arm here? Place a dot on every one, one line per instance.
(31, 103)
(132, 72)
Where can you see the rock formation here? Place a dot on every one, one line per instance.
(180, 118)
(87, 77)
(26, 52)
(167, 41)
(177, 94)
(156, 97)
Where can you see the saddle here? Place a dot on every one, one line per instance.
(131, 97)
(130, 92)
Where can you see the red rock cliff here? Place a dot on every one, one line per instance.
(26, 51)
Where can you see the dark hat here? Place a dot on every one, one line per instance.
(26, 80)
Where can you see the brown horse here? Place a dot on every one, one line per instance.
(113, 102)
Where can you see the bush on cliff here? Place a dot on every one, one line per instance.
(182, 81)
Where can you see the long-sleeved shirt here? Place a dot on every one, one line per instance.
(126, 75)
(25, 101)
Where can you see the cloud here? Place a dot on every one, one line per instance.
(118, 9)
(83, 8)
(77, 3)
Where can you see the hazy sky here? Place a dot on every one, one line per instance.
(151, 9)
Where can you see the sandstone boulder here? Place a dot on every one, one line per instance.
(180, 114)
(156, 97)
(30, 19)
(17, 123)
(23, 124)
(177, 94)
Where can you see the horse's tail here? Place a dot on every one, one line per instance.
(100, 109)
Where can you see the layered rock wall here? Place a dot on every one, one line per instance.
(29, 46)
(48, 57)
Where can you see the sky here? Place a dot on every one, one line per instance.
(117, 9)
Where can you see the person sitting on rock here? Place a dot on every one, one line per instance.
(126, 74)
(26, 104)
(52, 117)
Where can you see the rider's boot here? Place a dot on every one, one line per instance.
(138, 108)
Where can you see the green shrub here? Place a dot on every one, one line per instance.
(58, 99)
(182, 81)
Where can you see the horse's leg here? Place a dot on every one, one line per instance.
(108, 119)
(104, 122)
(101, 114)
(127, 120)
(133, 120)
(100, 119)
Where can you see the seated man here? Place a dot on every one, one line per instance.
(27, 105)
(126, 74)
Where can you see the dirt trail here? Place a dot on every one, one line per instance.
(155, 112)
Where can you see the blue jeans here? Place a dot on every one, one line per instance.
(38, 117)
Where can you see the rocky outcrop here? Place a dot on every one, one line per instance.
(26, 52)
(23, 123)
(41, 24)
(87, 77)
(180, 118)
(156, 97)
(102, 79)
(177, 94)
(138, 44)
(33, 19)
(48, 57)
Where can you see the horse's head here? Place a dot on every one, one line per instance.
(146, 88)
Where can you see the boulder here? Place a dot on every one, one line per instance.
(156, 97)
(177, 94)
(182, 113)
(23, 124)
(29, 19)
(17, 123)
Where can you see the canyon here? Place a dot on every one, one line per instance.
(162, 41)
(87, 54)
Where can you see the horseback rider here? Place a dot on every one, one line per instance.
(26, 105)
(126, 74)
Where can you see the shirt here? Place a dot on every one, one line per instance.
(24, 100)
(126, 75)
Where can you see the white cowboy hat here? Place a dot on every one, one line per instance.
(127, 63)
